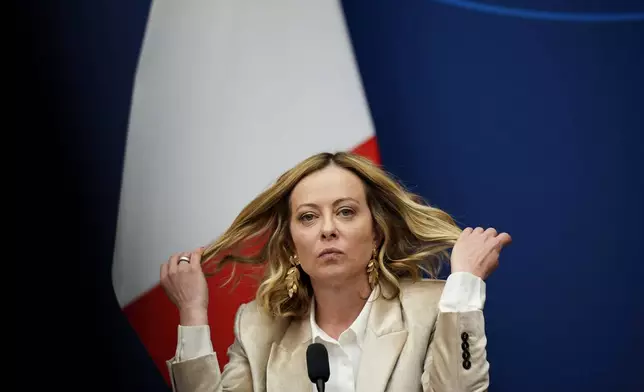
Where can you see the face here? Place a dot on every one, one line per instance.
(331, 226)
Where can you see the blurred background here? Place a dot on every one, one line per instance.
(158, 121)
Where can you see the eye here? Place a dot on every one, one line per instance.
(306, 217)
(346, 212)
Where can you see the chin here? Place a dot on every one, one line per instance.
(333, 273)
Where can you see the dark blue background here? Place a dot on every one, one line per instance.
(530, 126)
(533, 127)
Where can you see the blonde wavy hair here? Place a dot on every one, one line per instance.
(414, 236)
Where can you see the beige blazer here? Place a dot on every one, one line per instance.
(409, 346)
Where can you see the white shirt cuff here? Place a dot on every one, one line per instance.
(463, 292)
(193, 342)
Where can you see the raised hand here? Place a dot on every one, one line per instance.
(185, 284)
(477, 251)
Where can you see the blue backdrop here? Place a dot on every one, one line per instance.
(531, 122)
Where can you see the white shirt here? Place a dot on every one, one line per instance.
(344, 353)
(462, 292)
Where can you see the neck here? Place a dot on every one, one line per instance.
(337, 306)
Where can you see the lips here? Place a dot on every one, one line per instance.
(329, 251)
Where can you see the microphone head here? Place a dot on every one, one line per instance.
(317, 363)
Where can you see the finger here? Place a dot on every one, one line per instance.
(195, 258)
(467, 231)
(200, 251)
(504, 239)
(478, 230)
(183, 265)
(164, 271)
(174, 260)
(499, 242)
(490, 232)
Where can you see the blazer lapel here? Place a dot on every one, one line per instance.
(286, 369)
(384, 339)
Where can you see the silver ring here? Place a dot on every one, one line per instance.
(184, 258)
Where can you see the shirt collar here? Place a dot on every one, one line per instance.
(358, 327)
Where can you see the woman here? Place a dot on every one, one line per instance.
(345, 247)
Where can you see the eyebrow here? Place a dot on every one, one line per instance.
(335, 203)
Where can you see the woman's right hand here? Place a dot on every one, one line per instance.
(185, 284)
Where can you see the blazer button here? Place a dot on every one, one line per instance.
(467, 364)
(465, 346)
(464, 336)
(466, 355)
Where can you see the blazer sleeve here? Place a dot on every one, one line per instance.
(456, 360)
(203, 374)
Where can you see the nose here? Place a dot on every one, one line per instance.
(329, 229)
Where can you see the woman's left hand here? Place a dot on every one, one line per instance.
(477, 251)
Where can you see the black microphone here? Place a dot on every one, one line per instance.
(317, 364)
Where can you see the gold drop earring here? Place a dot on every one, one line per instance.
(372, 269)
(292, 277)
